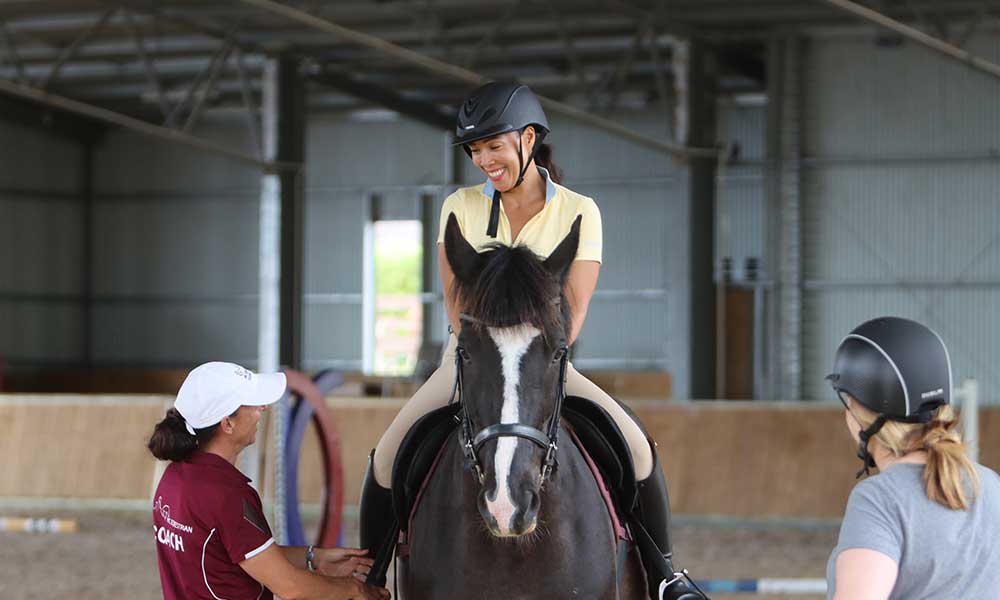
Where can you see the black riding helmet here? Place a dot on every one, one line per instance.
(496, 108)
(895, 367)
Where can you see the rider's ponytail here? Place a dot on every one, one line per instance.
(544, 159)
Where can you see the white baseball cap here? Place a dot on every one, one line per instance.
(217, 389)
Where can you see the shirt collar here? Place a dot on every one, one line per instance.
(214, 460)
(550, 187)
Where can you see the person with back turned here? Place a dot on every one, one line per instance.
(927, 525)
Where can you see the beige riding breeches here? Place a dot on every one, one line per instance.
(436, 392)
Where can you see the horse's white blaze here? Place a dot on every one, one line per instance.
(512, 342)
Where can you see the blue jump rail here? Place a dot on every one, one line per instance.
(766, 585)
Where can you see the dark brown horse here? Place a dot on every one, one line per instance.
(512, 510)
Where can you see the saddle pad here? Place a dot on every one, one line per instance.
(606, 445)
(620, 530)
(415, 457)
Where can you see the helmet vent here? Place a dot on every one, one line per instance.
(488, 114)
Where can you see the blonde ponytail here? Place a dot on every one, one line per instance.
(950, 477)
(949, 471)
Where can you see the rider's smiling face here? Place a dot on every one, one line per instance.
(497, 156)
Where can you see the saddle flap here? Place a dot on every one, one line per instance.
(415, 457)
(606, 444)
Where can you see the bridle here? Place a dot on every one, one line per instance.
(472, 443)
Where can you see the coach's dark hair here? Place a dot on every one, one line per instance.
(172, 441)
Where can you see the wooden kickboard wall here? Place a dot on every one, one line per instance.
(735, 459)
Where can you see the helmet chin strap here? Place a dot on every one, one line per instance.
(863, 438)
(522, 166)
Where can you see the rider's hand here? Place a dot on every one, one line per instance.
(343, 562)
(350, 588)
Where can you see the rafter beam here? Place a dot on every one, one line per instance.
(150, 68)
(106, 116)
(976, 62)
(10, 48)
(424, 112)
(219, 57)
(50, 120)
(70, 51)
(451, 71)
(207, 89)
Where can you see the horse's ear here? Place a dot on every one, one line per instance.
(562, 257)
(465, 262)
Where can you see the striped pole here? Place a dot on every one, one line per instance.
(766, 585)
(21, 525)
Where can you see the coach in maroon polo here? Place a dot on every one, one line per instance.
(212, 540)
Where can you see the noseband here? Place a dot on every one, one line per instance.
(547, 440)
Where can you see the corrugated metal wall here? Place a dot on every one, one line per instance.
(638, 317)
(741, 218)
(160, 302)
(41, 247)
(350, 164)
(901, 210)
(175, 251)
(899, 207)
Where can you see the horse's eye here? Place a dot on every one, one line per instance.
(464, 355)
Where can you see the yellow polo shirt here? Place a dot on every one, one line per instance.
(542, 233)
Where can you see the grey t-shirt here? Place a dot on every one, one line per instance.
(941, 553)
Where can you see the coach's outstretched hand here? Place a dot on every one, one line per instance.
(343, 562)
(352, 589)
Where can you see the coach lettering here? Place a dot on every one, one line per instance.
(169, 538)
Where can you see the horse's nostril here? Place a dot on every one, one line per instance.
(535, 499)
(531, 500)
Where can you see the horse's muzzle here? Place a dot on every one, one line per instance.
(510, 515)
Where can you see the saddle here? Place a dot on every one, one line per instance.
(415, 458)
(596, 431)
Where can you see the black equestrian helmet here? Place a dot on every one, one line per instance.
(499, 107)
(894, 367)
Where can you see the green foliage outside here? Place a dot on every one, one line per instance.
(398, 273)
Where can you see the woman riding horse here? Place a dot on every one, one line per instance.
(501, 126)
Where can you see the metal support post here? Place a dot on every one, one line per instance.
(280, 310)
(87, 252)
(790, 222)
(702, 114)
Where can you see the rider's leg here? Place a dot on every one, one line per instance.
(654, 503)
(654, 512)
(434, 393)
(377, 519)
(642, 454)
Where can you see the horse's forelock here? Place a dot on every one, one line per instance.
(514, 288)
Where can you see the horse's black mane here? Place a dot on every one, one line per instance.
(514, 288)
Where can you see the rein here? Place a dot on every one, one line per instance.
(473, 442)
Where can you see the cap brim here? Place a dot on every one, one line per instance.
(270, 388)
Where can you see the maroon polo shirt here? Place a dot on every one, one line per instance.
(206, 521)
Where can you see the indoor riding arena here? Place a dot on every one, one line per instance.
(261, 182)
